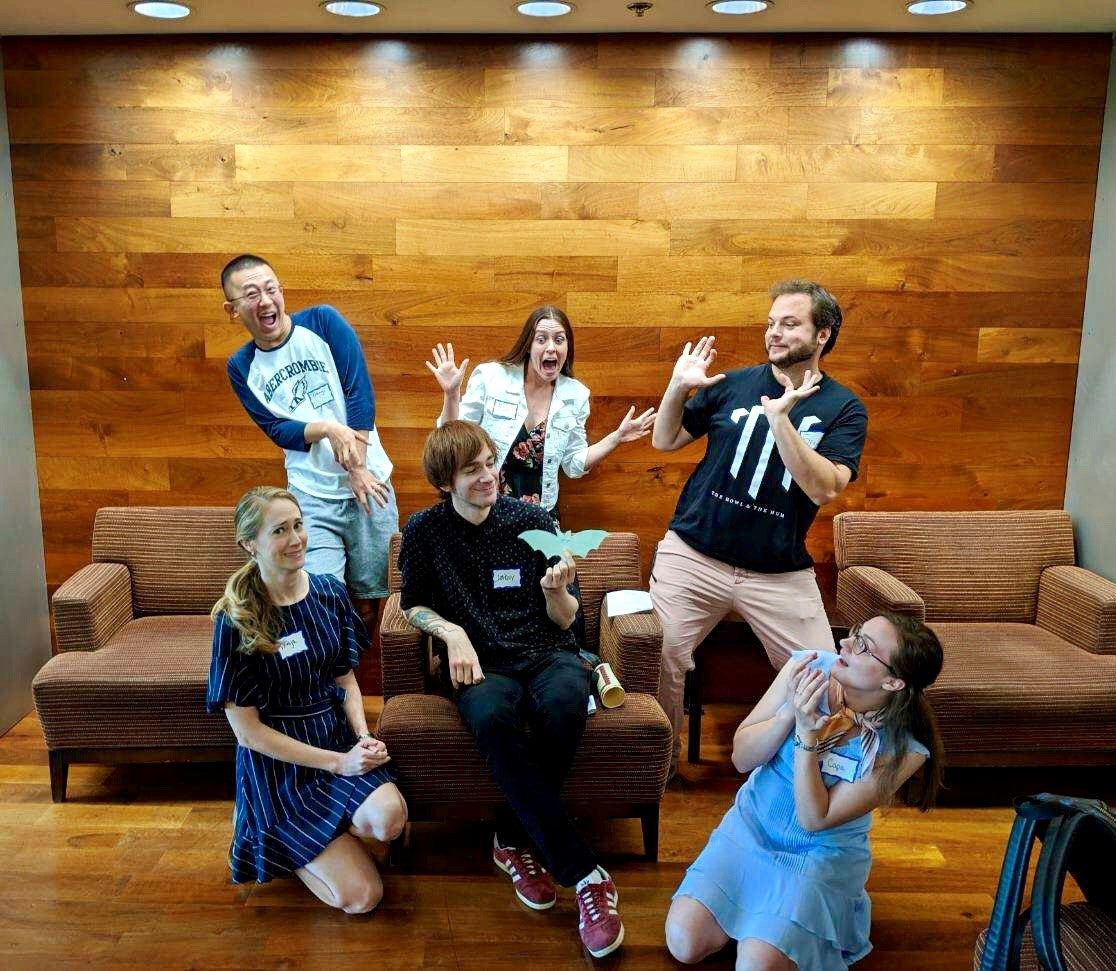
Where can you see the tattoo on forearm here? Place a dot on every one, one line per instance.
(428, 621)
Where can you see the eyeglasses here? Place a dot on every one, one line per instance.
(253, 297)
(862, 643)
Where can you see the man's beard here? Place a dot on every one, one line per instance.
(794, 356)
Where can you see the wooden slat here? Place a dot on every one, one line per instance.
(320, 163)
(725, 88)
(865, 163)
(690, 163)
(871, 200)
(534, 125)
(534, 237)
(578, 88)
(896, 88)
(511, 163)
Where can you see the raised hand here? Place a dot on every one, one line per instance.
(791, 395)
(691, 370)
(445, 371)
(631, 428)
(809, 689)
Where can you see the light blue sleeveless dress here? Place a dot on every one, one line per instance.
(762, 875)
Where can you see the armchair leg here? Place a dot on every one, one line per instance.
(649, 822)
(59, 772)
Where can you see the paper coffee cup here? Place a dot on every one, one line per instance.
(609, 690)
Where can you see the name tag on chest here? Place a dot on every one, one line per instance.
(291, 645)
(502, 408)
(505, 579)
(843, 766)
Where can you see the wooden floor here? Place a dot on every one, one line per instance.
(131, 872)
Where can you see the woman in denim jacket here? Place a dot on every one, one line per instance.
(533, 408)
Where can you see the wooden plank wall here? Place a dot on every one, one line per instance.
(441, 188)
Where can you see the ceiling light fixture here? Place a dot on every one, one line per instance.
(160, 11)
(930, 8)
(544, 8)
(737, 7)
(352, 8)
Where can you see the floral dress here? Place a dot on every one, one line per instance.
(521, 476)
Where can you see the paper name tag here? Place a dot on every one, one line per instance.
(504, 409)
(842, 766)
(291, 644)
(503, 579)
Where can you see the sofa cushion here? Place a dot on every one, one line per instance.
(1019, 688)
(966, 566)
(180, 558)
(623, 757)
(145, 687)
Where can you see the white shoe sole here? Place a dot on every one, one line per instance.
(523, 900)
(612, 947)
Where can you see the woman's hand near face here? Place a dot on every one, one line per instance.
(632, 426)
(445, 371)
(809, 689)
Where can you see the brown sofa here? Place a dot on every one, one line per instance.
(134, 641)
(1029, 638)
(621, 767)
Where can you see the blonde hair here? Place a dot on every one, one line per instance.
(246, 602)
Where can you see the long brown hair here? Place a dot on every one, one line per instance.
(907, 713)
(521, 349)
(246, 602)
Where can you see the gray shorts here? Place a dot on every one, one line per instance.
(348, 542)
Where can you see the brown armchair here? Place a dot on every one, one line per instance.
(134, 642)
(1029, 638)
(621, 767)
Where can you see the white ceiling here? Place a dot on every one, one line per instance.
(590, 16)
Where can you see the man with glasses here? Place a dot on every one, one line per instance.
(783, 440)
(302, 378)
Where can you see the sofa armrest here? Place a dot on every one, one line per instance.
(633, 645)
(92, 605)
(403, 652)
(1079, 606)
(865, 591)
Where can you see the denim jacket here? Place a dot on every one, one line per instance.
(494, 399)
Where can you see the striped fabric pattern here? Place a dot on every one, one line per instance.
(1088, 937)
(91, 606)
(624, 754)
(966, 566)
(179, 557)
(1019, 688)
(145, 688)
(633, 645)
(403, 651)
(1080, 606)
(865, 591)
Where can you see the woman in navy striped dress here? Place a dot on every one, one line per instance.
(310, 777)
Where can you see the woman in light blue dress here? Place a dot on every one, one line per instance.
(835, 736)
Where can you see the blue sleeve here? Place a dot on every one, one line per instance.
(232, 677)
(348, 358)
(844, 440)
(284, 432)
(354, 635)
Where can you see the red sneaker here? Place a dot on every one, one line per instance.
(531, 882)
(601, 929)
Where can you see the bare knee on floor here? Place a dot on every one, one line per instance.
(755, 955)
(692, 934)
(360, 896)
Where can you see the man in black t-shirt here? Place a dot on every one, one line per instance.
(784, 439)
(506, 619)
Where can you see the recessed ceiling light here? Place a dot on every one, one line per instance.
(737, 7)
(544, 8)
(352, 8)
(161, 10)
(929, 8)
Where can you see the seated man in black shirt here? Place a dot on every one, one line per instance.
(506, 620)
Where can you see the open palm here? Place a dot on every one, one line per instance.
(445, 371)
(691, 370)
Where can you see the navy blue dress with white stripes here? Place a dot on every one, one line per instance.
(286, 814)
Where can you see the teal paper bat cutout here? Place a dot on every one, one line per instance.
(552, 544)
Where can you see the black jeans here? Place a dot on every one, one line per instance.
(548, 695)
